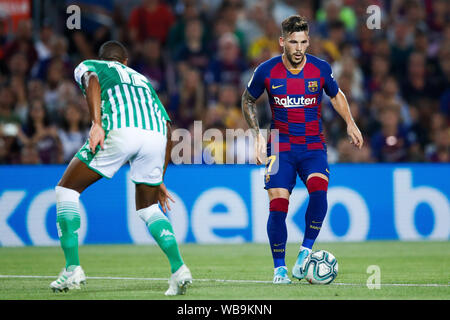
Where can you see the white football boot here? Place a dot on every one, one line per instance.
(68, 280)
(280, 276)
(179, 281)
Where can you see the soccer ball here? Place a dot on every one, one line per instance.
(321, 267)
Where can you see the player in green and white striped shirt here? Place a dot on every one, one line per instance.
(128, 99)
(129, 124)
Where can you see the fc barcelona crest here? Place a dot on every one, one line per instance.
(313, 86)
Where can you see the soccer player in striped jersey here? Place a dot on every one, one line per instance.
(129, 124)
(295, 82)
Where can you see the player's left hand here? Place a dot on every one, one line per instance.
(163, 198)
(355, 135)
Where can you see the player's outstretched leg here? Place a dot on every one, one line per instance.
(75, 179)
(161, 230)
(277, 234)
(315, 214)
(68, 223)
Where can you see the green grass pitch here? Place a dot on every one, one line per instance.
(409, 270)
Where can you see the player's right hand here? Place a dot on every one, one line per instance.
(163, 198)
(260, 149)
(96, 137)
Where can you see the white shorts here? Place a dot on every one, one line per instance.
(143, 149)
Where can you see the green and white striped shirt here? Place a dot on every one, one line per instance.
(128, 99)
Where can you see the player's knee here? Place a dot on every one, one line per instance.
(279, 205)
(151, 214)
(316, 183)
(66, 194)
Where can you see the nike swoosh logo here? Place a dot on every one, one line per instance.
(277, 244)
(327, 170)
(275, 87)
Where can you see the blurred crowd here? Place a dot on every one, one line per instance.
(200, 54)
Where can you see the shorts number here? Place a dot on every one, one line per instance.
(270, 161)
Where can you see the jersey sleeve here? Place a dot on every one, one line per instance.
(81, 69)
(331, 87)
(256, 85)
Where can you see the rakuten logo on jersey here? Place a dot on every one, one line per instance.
(294, 102)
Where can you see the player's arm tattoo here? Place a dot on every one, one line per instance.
(248, 104)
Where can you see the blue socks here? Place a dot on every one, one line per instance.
(316, 211)
(314, 216)
(277, 230)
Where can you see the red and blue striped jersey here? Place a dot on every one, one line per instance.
(295, 100)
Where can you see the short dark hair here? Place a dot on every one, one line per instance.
(113, 50)
(294, 23)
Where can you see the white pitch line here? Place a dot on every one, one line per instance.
(230, 280)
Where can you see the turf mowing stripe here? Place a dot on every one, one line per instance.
(235, 281)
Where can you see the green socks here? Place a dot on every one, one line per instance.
(68, 223)
(161, 230)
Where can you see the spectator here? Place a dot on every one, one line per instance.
(152, 19)
(29, 155)
(18, 86)
(348, 65)
(18, 66)
(54, 78)
(437, 17)
(268, 41)
(38, 132)
(390, 143)
(439, 149)
(230, 11)
(72, 132)
(348, 154)
(227, 108)
(379, 71)
(335, 40)
(226, 67)
(22, 44)
(253, 22)
(334, 11)
(391, 95)
(152, 64)
(9, 143)
(192, 52)
(43, 45)
(443, 79)
(35, 91)
(58, 52)
(417, 129)
(401, 40)
(3, 35)
(189, 102)
(177, 33)
(415, 85)
(7, 103)
(282, 9)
